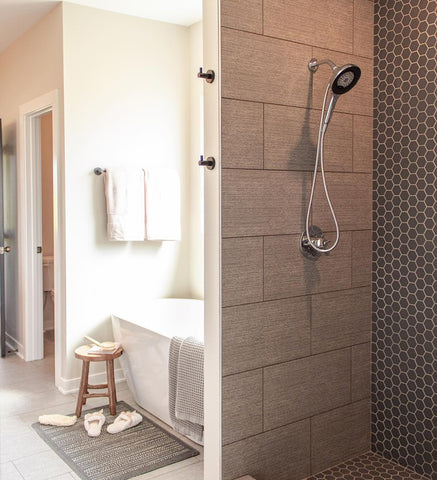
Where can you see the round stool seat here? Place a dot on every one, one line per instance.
(83, 354)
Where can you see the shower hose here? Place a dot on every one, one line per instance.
(319, 156)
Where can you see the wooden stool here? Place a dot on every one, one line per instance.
(82, 353)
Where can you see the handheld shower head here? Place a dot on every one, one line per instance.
(343, 79)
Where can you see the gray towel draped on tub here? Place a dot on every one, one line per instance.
(186, 387)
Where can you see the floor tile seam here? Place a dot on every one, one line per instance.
(352, 459)
(52, 393)
(43, 450)
(60, 475)
(24, 383)
(38, 411)
(49, 392)
(10, 436)
(171, 471)
(22, 411)
(408, 470)
(14, 466)
(355, 459)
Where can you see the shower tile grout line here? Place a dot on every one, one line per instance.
(294, 171)
(263, 35)
(323, 412)
(287, 105)
(298, 296)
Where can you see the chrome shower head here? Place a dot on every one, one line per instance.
(344, 79)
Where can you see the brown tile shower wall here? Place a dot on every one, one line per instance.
(296, 332)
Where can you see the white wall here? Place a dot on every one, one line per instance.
(30, 67)
(126, 103)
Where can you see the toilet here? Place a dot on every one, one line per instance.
(48, 281)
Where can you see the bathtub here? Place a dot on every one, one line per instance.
(145, 332)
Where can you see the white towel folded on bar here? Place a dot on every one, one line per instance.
(163, 204)
(124, 191)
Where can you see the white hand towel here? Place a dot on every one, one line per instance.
(124, 190)
(163, 205)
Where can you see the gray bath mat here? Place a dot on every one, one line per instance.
(120, 456)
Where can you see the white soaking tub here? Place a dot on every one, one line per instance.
(144, 332)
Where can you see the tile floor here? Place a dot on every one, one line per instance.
(27, 390)
(367, 466)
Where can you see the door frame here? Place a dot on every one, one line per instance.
(212, 245)
(29, 223)
(2, 257)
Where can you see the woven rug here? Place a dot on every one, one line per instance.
(119, 456)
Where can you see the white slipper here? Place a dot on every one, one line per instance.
(93, 423)
(57, 419)
(124, 421)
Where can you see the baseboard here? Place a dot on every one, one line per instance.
(71, 385)
(14, 345)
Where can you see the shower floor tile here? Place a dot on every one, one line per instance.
(368, 466)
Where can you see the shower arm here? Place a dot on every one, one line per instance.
(314, 64)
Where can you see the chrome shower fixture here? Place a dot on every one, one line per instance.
(343, 79)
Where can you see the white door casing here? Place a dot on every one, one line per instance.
(29, 233)
(212, 241)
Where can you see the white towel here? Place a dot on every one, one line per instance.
(124, 190)
(163, 205)
(185, 388)
(189, 391)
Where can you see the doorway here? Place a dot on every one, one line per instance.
(37, 228)
(48, 259)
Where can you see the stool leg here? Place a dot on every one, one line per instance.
(83, 387)
(111, 386)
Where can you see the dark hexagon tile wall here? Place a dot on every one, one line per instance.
(404, 391)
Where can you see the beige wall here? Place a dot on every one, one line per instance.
(127, 99)
(47, 184)
(296, 332)
(30, 67)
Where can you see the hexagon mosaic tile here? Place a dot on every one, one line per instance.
(405, 230)
(368, 466)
